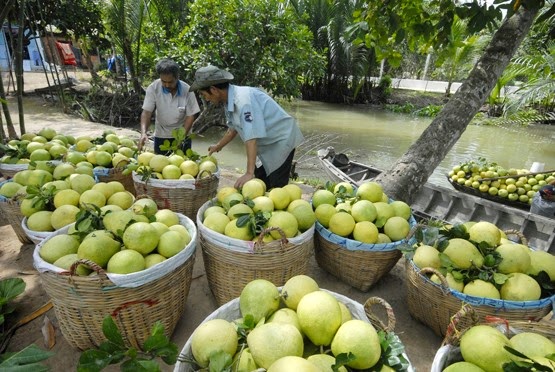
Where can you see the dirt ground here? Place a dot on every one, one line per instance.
(16, 261)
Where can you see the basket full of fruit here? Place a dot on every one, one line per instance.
(246, 235)
(298, 327)
(495, 344)
(476, 263)
(135, 267)
(10, 211)
(359, 232)
(177, 182)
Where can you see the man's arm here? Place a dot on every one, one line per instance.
(228, 136)
(188, 124)
(251, 148)
(145, 122)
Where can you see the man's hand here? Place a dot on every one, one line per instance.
(242, 180)
(142, 141)
(213, 148)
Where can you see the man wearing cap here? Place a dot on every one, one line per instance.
(175, 105)
(270, 134)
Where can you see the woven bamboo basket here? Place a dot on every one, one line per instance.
(135, 301)
(232, 263)
(9, 170)
(116, 174)
(181, 196)
(466, 317)
(231, 311)
(357, 264)
(434, 304)
(11, 213)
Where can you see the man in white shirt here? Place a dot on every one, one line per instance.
(270, 134)
(175, 105)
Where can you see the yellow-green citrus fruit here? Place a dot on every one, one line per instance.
(320, 316)
(126, 262)
(364, 210)
(532, 344)
(189, 167)
(520, 287)
(9, 189)
(463, 254)
(295, 288)
(232, 199)
(345, 312)
(371, 191)
(212, 336)
(383, 239)
(542, 261)
(344, 187)
(153, 259)
(366, 232)
(65, 262)
(145, 206)
(81, 182)
(244, 361)
(64, 215)
(463, 367)
(263, 204)
(98, 246)
(40, 221)
(225, 191)
(451, 281)
(297, 202)
(397, 228)
(294, 191)
(385, 212)
(104, 188)
(401, 209)
(286, 222)
(213, 209)
(216, 222)
(140, 236)
(280, 197)
(293, 363)
(167, 216)
(342, 224)
(360, 338)
(171, 243)
(252, 189)
(426, 256)
(323, 197)
(27, 209)
(323, 214)
(324, 362)
(344, 207)
(117, 220)
(515, 258)
(123, 199)
(57, 247)
(285, 315)
(305, 216)
(238, 210)
(484, 231)
(259, 298)
(160, 227)
(158, 162)
(483, 346)
(481, 288)
(236, 232)
(92, 197)
(171, 172)
(272, 341)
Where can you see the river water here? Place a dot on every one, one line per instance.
(378, 137)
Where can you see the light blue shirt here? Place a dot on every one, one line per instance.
(255, 115)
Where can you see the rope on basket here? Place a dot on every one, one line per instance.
(520, 235)
(376, 322)
(453, 334)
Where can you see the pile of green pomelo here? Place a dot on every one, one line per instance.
(363, 214)
(477, 259)
(175, 166)
(300, 328)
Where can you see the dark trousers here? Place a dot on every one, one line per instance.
(158, 141)
(279, 177)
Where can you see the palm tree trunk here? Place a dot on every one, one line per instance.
(6, 110)
(414, 168)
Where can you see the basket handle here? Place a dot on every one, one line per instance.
(453, 334)
(260, 241)
(92, 265)
(444, 284)
(520, 236)
(376, 322)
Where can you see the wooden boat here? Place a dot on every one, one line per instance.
(438, 202)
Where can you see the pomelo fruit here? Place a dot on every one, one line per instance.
(213, 209)
(144, 158)
(153, 259)
(451, 282)
(176, 160)
(232, 199)
(342, 224)
(145, 206)
(483, 346)
(259, 298)
(323, 197)
(484, 231)
(286, 222)
(160, 227)
(383, 239)
(212, 336)
(225, 191)
(295, 288)
(360, 338)
(126, 261)
(236, 232)
(117, 221)
(9, 189)
(463, 254)
(293, 363)
(206, 168)
(345, 312)
(305, 216)
(64, 215)
(244, 361)
(364, 210)
(238, 210)
(252, 189)
(520, 287)
(40, 221)
(371, 191)
(57, 247)
(65, 262)
(123, 199)
(366, 232)
(320, 316)
(171, 243)
(158, 162)
(297, 202)
(463, 367)
(384, 212)
(171, 172)
(344, 188)
(397, 228)
(344, 207)
(401, 209)
(280, 197)
(294, 191)
(426, 256)
(542, 261)
(272, 341)
(63, 170)
(216, 222)
(263, 204)
(324, 362)
(167, 217)
(93, 197)
(515, 258)
(81, 182)
(532, 344)
(140, 236)
(27, 209)
(323, 213)
(98, 246)
(285, 315)
(104, 188)
(481, 288)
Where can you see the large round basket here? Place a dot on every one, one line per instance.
(466, 317)
(9, 170)
(434, 304)
(231, 263)
(358, 264)
(181, 196)
(35, 236)
(10, 211)
(231, 311)
(116, 174)
(135, 301)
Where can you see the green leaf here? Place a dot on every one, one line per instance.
(93, 360)
(342, 360)
(111, 331)
(26, 357)
(139, 365)
(219, 361)
(11, 288)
